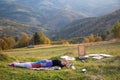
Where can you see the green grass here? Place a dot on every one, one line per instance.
(104, 69)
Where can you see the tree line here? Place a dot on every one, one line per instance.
(114, 33)
(92, 38)
(8, 42)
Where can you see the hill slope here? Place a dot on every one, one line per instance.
(15, 29)
(85, 6)
(53, 14)
(38, 13)
(84, 27)
(18, 12)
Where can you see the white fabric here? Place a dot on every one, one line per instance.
(99, 56)
(67, 58)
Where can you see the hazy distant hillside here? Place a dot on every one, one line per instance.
(13, 28)
(84, 27)
(55, 10)
(96, 7)
(37, 12)
(18, 12)
(53, 14)
(88, 7)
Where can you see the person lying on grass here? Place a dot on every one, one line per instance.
(41, 64)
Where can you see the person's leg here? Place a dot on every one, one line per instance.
(24, 64)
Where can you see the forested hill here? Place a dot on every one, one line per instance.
(84, 27)
(53, 15)
(38, 12)
(15, 29)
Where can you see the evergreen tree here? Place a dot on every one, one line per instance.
(36, 38)
(103, 35)
(40, 39)
(116, 30)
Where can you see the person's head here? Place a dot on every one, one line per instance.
(64, 62)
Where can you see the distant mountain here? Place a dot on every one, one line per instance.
(58, 13)
(52, 15)
(9, 9)
(85, 27)
(37, 12)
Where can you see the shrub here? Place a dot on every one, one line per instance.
(86, 40)
(98, 38)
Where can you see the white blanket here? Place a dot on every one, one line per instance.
(98, 56)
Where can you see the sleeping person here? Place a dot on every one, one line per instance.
(41, 64)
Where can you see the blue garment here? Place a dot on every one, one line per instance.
(40, 61)
(44, 63)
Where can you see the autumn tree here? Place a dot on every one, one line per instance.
(3, 44)
(24, 40)
(98, 38)
(65, 42)
(86, 40)
(10, 41)
(91, 38)
(116, 30)
(44, 39)
(0, 49)
(47, 40)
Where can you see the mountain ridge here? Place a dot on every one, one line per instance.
(87, 26)
(52, 15)
(43, 12)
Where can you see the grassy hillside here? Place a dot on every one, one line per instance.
(105, 69)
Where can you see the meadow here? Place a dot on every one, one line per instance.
(103, 69)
